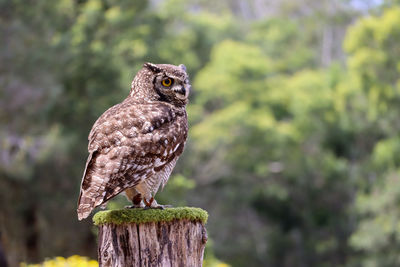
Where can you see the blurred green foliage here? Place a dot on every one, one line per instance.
(294, 122)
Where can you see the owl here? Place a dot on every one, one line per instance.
(133, 147)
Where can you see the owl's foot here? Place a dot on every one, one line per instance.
(134, 206)
(149, 204)
(137, 202)
(161, 207)
(152, 204)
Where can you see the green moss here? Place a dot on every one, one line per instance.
(139, 216)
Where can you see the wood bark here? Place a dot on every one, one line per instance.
(175, 243)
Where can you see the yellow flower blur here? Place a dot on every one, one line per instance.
(73, 261)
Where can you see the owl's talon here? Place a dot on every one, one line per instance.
(148, 203)
(152, 204)
(132, 207)
(160, 207)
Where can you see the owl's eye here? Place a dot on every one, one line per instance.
(167, 82)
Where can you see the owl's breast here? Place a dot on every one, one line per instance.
(139, 141)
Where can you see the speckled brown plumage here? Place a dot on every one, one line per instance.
(134, 145)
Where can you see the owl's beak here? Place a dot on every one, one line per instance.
(181, 91)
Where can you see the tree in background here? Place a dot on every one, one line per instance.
(375, 61)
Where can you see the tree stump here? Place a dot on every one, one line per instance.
(137, 237)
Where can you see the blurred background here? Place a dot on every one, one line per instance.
(294, 145)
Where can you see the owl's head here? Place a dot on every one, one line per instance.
(162, 82)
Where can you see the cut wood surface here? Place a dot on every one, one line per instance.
(136, 237)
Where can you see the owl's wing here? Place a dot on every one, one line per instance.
(129, 143)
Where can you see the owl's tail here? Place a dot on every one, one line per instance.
(85, 206)
(89, 197)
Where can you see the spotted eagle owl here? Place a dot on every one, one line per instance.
(134, 145)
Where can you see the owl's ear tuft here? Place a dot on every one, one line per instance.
(183, 67)
(152, 67)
